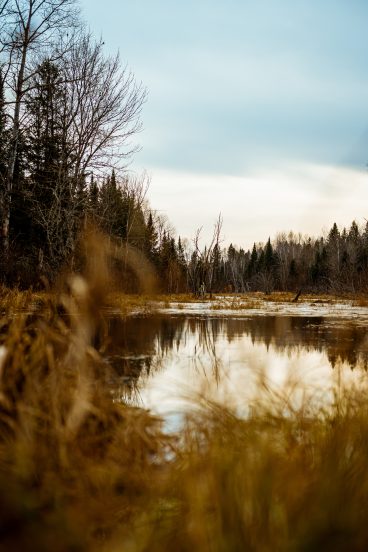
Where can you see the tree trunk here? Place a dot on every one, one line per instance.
(8, 188)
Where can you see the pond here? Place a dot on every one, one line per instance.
(170, 363)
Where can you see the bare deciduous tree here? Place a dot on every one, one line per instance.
(201, 265)
(103, 107)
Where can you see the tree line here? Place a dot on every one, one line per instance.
(336, 263)
(68, 119)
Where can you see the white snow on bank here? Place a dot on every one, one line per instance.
(343, 310)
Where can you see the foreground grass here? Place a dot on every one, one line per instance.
(81, 471)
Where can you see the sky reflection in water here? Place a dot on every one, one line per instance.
(168, 362)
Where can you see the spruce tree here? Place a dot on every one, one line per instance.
(252, 262)
(151, 240)
(269, 259)
(47, 151)
(53, 201)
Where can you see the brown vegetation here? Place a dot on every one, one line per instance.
(82, 470)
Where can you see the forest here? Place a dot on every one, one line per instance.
(69, 118)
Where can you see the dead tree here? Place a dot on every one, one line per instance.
(201, 266)
(297, 296)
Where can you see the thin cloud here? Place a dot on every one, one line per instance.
(301, 197)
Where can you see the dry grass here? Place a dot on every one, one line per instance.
(73, 463)
(13, 301)
(271, 482)
(253, 300)
(236, 302)
(81, 471)
(361, 301)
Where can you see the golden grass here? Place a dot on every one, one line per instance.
(15, 301)
(236, 303)
(81, 471)
(361, 301)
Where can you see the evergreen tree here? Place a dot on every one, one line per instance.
(231, 252)
(151, 240)
(181, 256)
(47, 151)
(93, 198)
(51, 201)
(112, 208)
(353, 235)
(319, 269)
(334, 235)
(269, 259)
(362, 258)
(216, 269)
(352, 245)
(252, 262)
(293, 270)
(334, 251)
(260, 262)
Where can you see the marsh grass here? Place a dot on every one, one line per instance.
(81, 470)
(361, 301)
(236, 303)
(255, 300)
(14, 301)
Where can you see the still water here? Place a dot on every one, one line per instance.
(169, 363)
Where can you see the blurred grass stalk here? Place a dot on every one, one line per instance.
(81, 471)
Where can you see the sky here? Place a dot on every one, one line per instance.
(257, 110)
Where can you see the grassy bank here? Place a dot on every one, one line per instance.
(14, 301)
(80, 470)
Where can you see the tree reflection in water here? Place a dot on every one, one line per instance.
(139, 346)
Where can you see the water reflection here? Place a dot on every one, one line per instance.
(159, 360)
(135, 342)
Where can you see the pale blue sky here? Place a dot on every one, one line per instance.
(263, 93)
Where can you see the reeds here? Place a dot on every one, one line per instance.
(80, 470)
